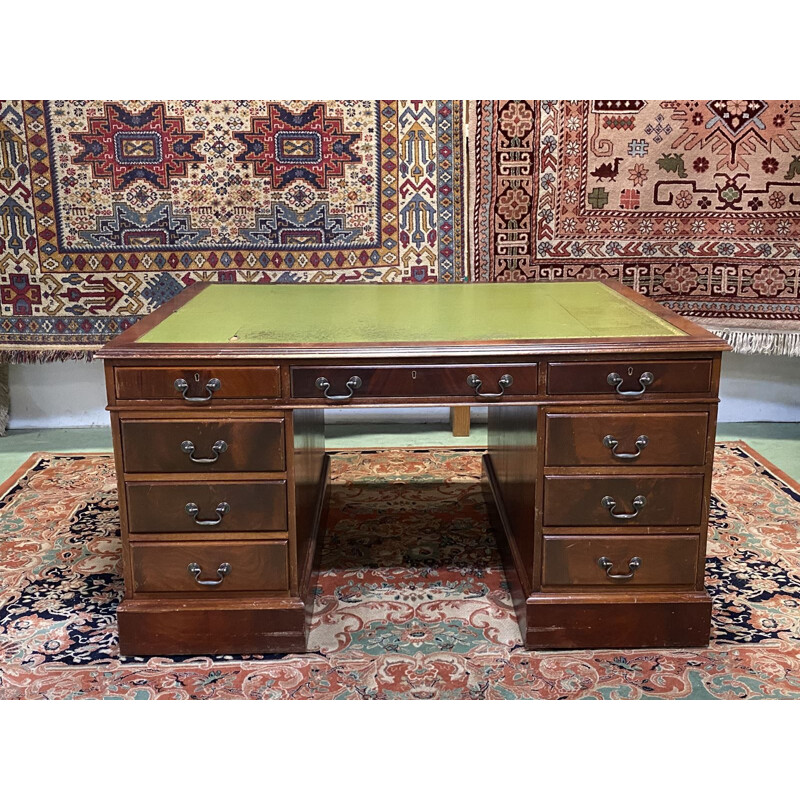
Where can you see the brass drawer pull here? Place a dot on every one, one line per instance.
(222, 570)
(474, 382)
(192, 510)
(608, 565)
(611, 443)
(610, 503)
(218, 447)
(323, 384)
(615, 379)
(212, 386)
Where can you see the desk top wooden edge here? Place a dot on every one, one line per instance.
(694, 339)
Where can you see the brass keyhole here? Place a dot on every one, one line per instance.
(413, 374)
(197, 377)
(630, 370)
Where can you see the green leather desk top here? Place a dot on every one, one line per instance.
(337, 313)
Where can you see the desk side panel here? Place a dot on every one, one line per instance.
(512, 449)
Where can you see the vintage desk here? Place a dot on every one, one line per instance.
(602, 412)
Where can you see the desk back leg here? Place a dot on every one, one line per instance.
(459, 420)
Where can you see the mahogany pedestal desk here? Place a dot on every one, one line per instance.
(602, 412)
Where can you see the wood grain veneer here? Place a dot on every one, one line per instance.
(254, 566)
(666, 561)
(571, 500)
(674, 439)
(591, 377)
(161, 507)
(158, 383)
(251, 445)
(416, 380)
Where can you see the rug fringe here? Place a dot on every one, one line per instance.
(760, 342)
(45, 356)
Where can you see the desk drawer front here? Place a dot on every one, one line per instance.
(614, 440)
(251, 567)
(629, 380)
(184, 507)
(579, 500)
(649, 561)
(234, 383)
(408, 380)
(234, 446)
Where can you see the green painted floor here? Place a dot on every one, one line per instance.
(778, 442)
(17, 445)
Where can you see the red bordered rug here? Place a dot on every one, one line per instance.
(411, 600)
(112, 207)
(695, 203)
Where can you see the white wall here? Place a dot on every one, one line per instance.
(71, 394)
(757, 388)
(59, 395)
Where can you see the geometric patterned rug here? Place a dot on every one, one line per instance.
(411, 600)
(693, 203)
(108, 209)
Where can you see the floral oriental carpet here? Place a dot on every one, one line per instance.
(411, 599)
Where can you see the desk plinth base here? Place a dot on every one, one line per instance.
(156, 627)
(555, 622)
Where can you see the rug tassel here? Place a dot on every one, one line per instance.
(45, 356)
(760, 342)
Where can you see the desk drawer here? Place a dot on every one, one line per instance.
(579, 500)
(235, 445)
(575, 561)
(205, 386)
(606, 440)
(252, 567)
(657, 377)
(411, 381)
(225, 506)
